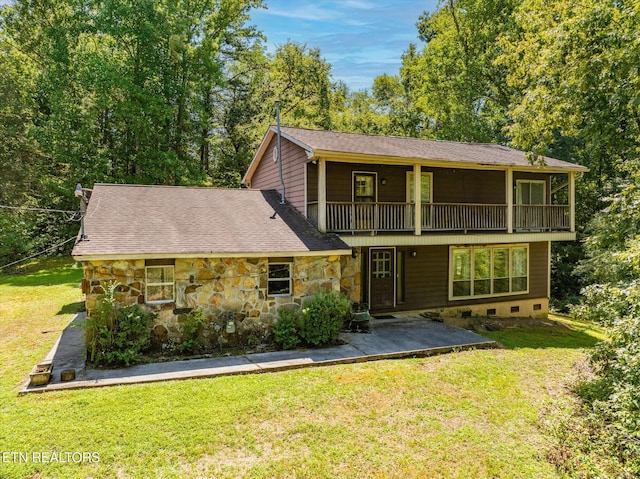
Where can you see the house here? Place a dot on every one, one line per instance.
(458, 228)
(398, 223)
(237, 254)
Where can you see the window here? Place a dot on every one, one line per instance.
(483, 271)
(364, 187)
(530, 192)
(159, 284)
(425, 187)
(279, 279)
(381, 264)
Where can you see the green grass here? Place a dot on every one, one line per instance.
(574, 334)
(470, 414)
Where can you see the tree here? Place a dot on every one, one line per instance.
(112, 91)
(300, 78)
(459, 91)
(296, 76)
(575, 66)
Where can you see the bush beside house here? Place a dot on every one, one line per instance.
(119, 335)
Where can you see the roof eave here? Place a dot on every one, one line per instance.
(255, 254)
(400, 160)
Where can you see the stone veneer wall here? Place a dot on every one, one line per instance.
(224, 288)
(351, 277)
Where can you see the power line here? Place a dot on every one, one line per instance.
(38, 253)
(47, 210)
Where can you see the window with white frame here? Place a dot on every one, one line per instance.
(485, 271)
(530, 192)
(425, 187)
(279, 279)
(159, 283)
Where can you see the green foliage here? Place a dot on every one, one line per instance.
(454, 87)
(191, 332)
(286, 330)
(114, 91)
(323, 317)
(612, 262)
(117, 336)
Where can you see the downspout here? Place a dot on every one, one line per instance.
(282, 195)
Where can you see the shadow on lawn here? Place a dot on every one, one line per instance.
(559, 336)
(71, 308)
(58, 275)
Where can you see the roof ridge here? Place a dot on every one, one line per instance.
(399, 137)
(137, 185)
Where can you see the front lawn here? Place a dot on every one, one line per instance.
(470, 414)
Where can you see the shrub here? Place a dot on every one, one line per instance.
(191, 332)
(323, 317)
(117, 336)
(286, 332)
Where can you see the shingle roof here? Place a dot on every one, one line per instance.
(488, 154)
(148, 220)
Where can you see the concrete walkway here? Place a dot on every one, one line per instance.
(398, 337)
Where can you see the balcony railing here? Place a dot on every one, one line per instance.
(463, 216)
(345, 217)
(541, 218)
(349, 217)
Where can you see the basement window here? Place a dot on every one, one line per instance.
(279, 279)
(160, 283)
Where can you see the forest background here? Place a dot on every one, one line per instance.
(181, 93)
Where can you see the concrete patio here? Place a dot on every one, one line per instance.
(397, 337)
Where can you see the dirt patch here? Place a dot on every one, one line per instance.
(493, 323)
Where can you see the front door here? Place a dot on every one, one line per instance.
(364, 198)
(530, 201)
(382, 291)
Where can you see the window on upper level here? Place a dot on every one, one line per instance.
(425, 187)
(530, 192)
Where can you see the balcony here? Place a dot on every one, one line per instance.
(350, 217)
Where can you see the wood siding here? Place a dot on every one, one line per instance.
(449, 185)
(312, 182)
(267, 177)
(340, 181)
(468, 186)
(426, 278)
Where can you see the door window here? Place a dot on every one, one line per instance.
(381, 264)
(425, 187)
(364, 188)
(530, 192)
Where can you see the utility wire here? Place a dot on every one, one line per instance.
(39, 253)
(35, 209)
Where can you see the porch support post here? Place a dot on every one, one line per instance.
(549, 270)
(572, 201)
(417, 195)
(509, 194)
(322, 195)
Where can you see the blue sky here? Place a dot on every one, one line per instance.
(360, 38)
